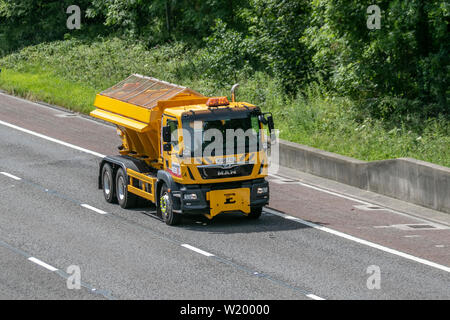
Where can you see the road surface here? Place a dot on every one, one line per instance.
(312, 242)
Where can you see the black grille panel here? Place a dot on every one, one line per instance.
(217, 172)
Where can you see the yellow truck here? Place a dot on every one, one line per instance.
(185, 152)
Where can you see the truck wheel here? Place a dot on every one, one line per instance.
(255, 213)
(108, 183)
(165, 207)
(126, 199)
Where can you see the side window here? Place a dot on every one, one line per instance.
(173, 124)
(255, 124)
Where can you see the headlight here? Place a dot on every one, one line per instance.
(262, 190)
(190, 196)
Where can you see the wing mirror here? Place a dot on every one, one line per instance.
(267, 121)
(166, 134)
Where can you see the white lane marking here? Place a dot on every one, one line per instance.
(314, 297)
(361, 241)
(197, 250)
(416, 226)
(52, 139)
(323, 190)
(340, 234)
(364, 203)
(10, 175)
(93, 208)
(368, 207)
(42, 264)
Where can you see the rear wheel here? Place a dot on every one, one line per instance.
(126, 199)
(255, 213)
(165, 207)
(108, 183)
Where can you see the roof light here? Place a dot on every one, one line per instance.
(217, 101)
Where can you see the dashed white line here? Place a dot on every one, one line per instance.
(42, 264)
(361, 241)
(187, 246)
(10, 175)
(84, 205)
(314, 297)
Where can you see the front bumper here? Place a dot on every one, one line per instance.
(246, 198)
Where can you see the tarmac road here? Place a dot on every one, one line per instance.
(311, 243)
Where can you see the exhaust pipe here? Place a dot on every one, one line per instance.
(233, 95)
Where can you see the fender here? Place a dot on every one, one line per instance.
(164, 176)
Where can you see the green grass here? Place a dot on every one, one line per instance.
(69, 73)
(43, 86)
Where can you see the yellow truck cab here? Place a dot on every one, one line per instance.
(186, 153)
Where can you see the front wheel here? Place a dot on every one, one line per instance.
(255, 213)
(166, 207)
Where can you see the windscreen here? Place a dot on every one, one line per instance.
(221, 137)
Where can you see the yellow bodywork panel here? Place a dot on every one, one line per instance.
(148, 184)
(120, 120)
(122, 108)
(228, 200)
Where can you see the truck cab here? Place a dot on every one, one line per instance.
(186, 153)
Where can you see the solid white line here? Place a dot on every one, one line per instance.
(197, 250)
(361, 241)
(314, 297)
(52, 139)
(93, 208)
(10, 176)
(323, 190)
(42, 264)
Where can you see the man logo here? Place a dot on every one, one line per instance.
(226, 172)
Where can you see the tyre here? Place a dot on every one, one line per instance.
(255, 213)
(108, 183)
(165, 207)
(125, 199)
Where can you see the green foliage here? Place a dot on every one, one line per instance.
(157, 21)
(402, 68)
(25, 22)
(331, 82)
(276, 28)
(227, 55)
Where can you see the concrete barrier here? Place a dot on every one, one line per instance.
(407, 179)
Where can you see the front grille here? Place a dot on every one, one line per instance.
(219, 171)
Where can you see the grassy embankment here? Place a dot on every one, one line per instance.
(69, 73)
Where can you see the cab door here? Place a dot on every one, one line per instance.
(170, 146)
